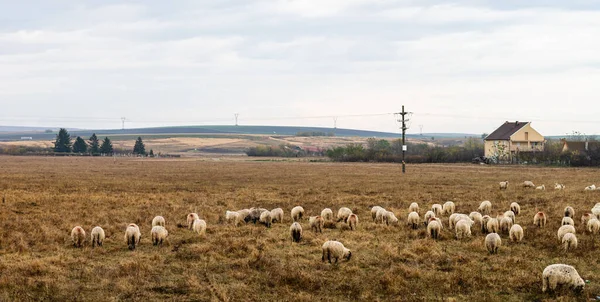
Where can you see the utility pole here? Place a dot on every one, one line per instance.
(122, 123)
(236, 118)
(334, 124)
(403, 114)
(421, 129)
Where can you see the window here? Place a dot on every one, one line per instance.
(526, 136)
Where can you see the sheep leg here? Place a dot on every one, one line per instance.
(329, 256)
(323, 257)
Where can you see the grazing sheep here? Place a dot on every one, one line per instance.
(542, 187)
(343, 214)
(132, 235)
(297, 213)
(585, 218)
(493, 225)
(190, 219)
(428, 215)
(516, 233)
(97, 236)
(569, 242)
(564, 230)
(593, 226)
(596, 211)
(414, 207)
(505, 224)
(336, 250)
(266, 219)
(569, 212)
(296, 232)
(558, 186)
(327, 214)
(511, 215)
(374, 211)
(504, 185)
(492, 243)
(590, 188)
(528, 184)
(567, 221)
(380, 216)
(413, 220)
(454, 218)
(515, 207)
(390, 218)
(352, 221)
(539, 219)
(232, 217)
(484, 221)
(199, 226)
(476, 217)
(433, 229)
(255, 214)
(463, 229)
(244, 215)
(448, 208)
(158, 220)
(158, 234)
(561, 274)
(277, 215)
(485, 208)
(316, 223)
(437, 209)
(77, 236)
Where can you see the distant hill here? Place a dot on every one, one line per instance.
(22, 129)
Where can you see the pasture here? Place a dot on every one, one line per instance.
(46, 197)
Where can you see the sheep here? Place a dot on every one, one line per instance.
(596, 211)
(504, 185)
(516, 233)
(463, 229)
(561, 274)
(77, 236)
(569, 242)
(296, 232)
(232, 217)
(428, 215)
(569, 211)
(515, 207)
(476, 217)
(390, 218)
(505, 224)
(511, 215)
(380, 216)
(433, 229)
(585, 218)
(277, 215)
(593, 226)
(414, 207)
(493, 225)
(255, 214)
(297, 213)
(448, 208)
(316, 223)
(199, 226)
(484, 220)
(244, 215)
(158, 220)
(190, 219)
(590, 188)
(374, 211)
(539, 219)
(97, 236)
(343, 214)
(558, 186)
(437, 209)
(327, 214)
(266, 219)
(335, 249)
(158, 234)
(413, 220)
(492, 243)
(564, 230)
(454, 218)
(542, 187)
(132, 235)
(567, 221)
(485, 208)
(352, 221)
(528, 184)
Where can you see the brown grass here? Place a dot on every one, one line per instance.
(47, 197)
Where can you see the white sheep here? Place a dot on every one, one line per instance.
(516, 233)
(528, 184)
(476, 217)
(586, 217)
(485, 208)
(511, 215)
(564, 230)
(343, 214)
(413, 220)
(414, 207)
(463, 229)
(266, 219)
(316, 223)
(493, 225)
(158, 220)
(590, 188)
(297, 213)
(243, 216)
(515, 207)
(277, 215)
(542, 187)
(199, 226)
(567, 221)
(593, 226)
(352, 221)
(190, 219)
(448, 208)
(561, 274)
(539, 219)
(374, 211)
(596, 211)
(428, 215)
(232, 217)
(336, 250)
(158, 234)
(504, 185)
(97, 236)
(132, 235)
(569, 242)
(434, 228)
(569, 211)
(327, 214)
(296, 232)
(505, 224)
(558, 186)
(380, 215)
(492, 242)
(454, 218)
(484, 221)
(437, 209)
(77, 236)
(390, 218)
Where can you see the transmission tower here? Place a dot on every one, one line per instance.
(122, 123)
(236, 118)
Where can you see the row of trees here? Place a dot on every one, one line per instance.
(282, 150)
(63, 144)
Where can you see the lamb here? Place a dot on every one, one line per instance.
(296, 232)
(590, 188)
(433, 228)
(448, 208)
(428, 215)
(542, 187)
(297, 213)
(380, 216)
(504, 185)
(569, 212)
(561, 274)
(327, 214)
(505, 224)
(158, 234)
(528, 184)
(569, 242)
(515, 208)
(585, 218)
(232, 217)
(199, 226)
(558, 186)
(493, 242)
(190, 219)
(77, 236)
(539, 219)
(476, 217)
(335, 249)
(316, 223)
(511, 215)
(97, 236)
(567, 221)
(413, 220)
(516, 233)
(132, 235)
(485, 208)
(390, 218)
(352, 221)
(463, 229)
(493, 225)
(266, 219)
(593, 226)
(564, 230)
(414, 207)
(437, 209)
(343, 214)
(158, 220)
(374, 211)
(277, 215)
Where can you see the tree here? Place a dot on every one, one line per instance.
(94, 145)
(107, 147)
(63, 141)
(80, 146)
(139, 147)
(151, 153)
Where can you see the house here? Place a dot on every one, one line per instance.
(512, 138)
(579, 146)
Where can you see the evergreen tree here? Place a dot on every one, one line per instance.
(63, 141)
(94, 144)
(80, 146)
(139, 147)
(151, 153)
(107, 147)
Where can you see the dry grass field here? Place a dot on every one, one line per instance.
(46, 197)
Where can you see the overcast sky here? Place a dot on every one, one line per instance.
(461, 66)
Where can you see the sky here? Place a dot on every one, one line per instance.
(462, 66)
